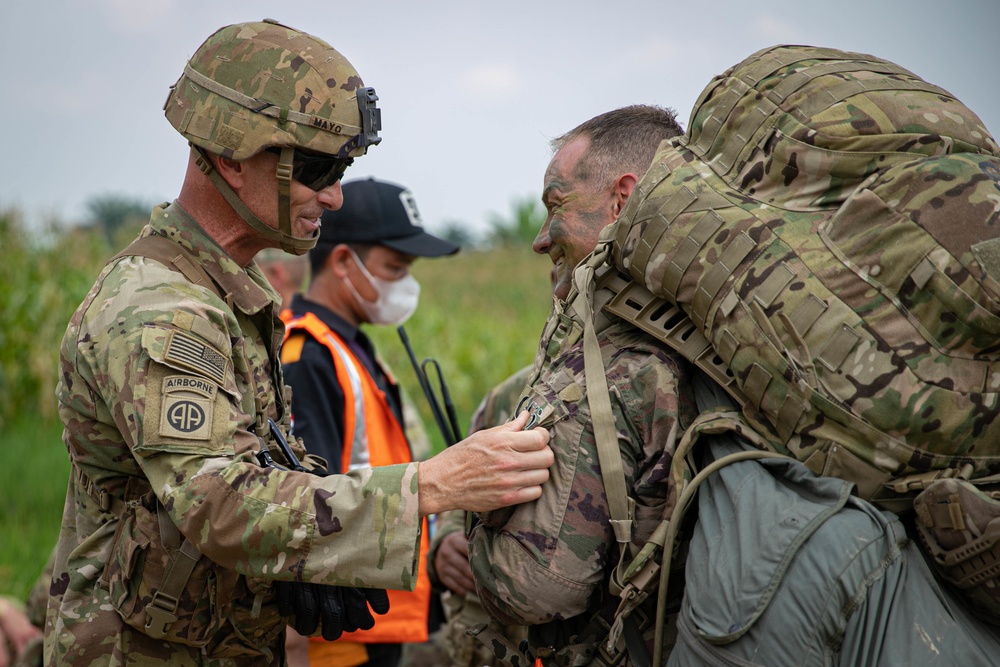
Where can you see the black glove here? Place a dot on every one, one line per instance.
(337, 609)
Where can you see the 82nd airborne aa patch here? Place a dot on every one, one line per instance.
(187, 403)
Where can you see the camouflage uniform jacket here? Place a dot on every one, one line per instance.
(463, 612)
(548, 561)
(160, 387)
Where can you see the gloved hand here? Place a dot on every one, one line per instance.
(336, 609)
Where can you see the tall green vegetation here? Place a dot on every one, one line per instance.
(519, 230)
(43, 276)
(480, 316)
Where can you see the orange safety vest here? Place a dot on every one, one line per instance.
(370, 423)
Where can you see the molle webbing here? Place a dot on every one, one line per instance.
(823, 243)
(762, 113)
(620, 504)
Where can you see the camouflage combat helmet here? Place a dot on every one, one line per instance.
(263, 85)
(825, 239)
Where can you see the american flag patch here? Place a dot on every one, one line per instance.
(189, 352)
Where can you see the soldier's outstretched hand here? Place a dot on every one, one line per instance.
(492, 468)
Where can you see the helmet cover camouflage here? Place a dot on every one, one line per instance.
(254, 85)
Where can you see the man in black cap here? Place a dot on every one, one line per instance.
(347, 407)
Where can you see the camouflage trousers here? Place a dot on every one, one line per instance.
(451, 646)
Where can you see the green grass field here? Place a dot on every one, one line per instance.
(480, 317)
(32, 489)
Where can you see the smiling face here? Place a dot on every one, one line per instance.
(307, 205)
(578, 208)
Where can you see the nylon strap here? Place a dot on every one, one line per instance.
(173, 255)
(635, 644)
(160, 611)
(104, 500)
(266, 108)
(288, 243)
(283, 172)
(605, 433)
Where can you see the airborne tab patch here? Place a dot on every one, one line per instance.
(187, 404)
(190, 352)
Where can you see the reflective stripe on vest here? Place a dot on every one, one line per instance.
(372, 427)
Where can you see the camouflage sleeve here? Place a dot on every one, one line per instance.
(548, 558)
(356, 529)
(174, 358)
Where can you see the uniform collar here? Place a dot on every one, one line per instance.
(250, 291)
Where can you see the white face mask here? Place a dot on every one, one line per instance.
(396, 300)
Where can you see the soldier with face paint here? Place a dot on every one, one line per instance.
(544, 564)
(784, 244)
(190, 513)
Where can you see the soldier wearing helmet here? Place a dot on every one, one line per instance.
(194, 528)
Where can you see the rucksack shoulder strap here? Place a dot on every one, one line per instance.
(172, 255)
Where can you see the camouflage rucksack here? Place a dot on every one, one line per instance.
(828, 229)
(825, 241)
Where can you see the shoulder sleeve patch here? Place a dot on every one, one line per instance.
(187, 351)
(186, 407)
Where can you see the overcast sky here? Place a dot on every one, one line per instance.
(471, 92)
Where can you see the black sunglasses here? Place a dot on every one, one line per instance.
(316, 171)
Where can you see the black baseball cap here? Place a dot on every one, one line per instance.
(384, 214)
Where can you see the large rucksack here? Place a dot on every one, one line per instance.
(824, 238)
(824, 241)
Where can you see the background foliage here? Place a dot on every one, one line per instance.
(480, 316)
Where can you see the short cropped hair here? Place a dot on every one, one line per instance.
(624, 140)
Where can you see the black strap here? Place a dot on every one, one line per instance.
(635, 645)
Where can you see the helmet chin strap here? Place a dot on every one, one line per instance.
(283, 235)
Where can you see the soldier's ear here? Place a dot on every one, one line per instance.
(230, 170)
(623, 187)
